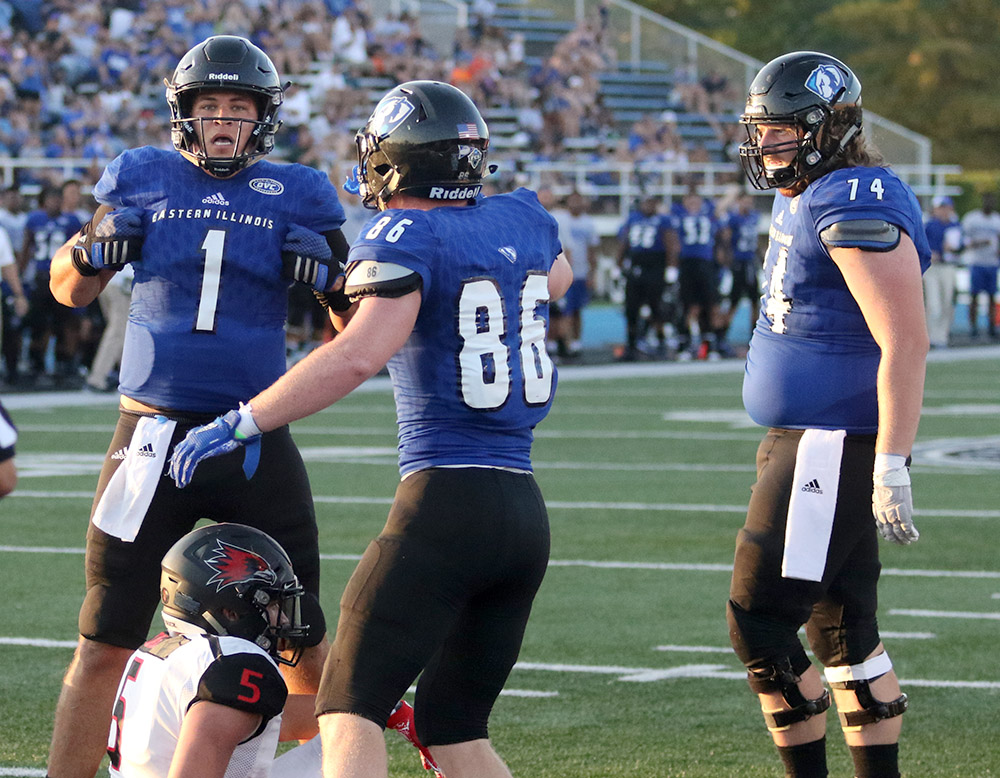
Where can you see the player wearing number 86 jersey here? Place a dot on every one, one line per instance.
(453, 294)
(474, 378)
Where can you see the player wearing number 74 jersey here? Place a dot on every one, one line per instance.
(454, 294)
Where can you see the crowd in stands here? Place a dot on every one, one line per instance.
(83, 80)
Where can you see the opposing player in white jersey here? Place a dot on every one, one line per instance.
(453, 292)
(836, 371)
(206, 697)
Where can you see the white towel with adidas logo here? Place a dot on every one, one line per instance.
(812, 504)
(127, 497)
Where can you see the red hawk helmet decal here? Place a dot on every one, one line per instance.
(234, 565)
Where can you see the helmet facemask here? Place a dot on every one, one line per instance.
(818, 148)
(187, 132)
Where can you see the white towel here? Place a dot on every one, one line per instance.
(812, 504)
(127, 497)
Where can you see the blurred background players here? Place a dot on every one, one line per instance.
(443, 278)
(743, 223)
(13, 303)
(46, 229)
(643, 245)
(216, 234)
(697, 230)
(579, 238)
(981, 230)
(944, 236)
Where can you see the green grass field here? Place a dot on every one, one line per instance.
(626, 668)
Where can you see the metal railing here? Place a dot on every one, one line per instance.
(624, 181)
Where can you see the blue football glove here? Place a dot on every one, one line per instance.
(306, 257)
(111, 244)
(214, 439)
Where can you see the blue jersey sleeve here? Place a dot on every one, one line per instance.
(859, 193)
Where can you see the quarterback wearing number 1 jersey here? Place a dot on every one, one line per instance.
(209, 285)
(215, 234)
(474, 377)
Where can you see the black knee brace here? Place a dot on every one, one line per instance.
(858, 678)
(783, 677)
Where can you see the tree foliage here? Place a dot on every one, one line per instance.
(930, 65)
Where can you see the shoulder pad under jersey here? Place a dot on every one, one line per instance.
(867, 234)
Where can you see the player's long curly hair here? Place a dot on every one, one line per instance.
(861, 151)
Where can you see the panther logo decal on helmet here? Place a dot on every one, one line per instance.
(234, 565)
(825, 81)
(389, 114)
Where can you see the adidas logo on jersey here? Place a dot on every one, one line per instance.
(120, 454)
(146, 451)
(216, 199)
(813, 487)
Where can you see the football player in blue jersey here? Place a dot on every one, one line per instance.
(453, 294)
(644, 252)
(45, 230)
(215, 234)
(836, 371)
(697, 228)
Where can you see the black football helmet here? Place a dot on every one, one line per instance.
(221, 578)
(816, 93)
(232, 63)
(425, 138)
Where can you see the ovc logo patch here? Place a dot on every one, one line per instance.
(267, 186)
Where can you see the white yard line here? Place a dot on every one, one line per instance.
(597, 564)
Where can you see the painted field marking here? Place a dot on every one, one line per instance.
(591, 563)
(944, 614)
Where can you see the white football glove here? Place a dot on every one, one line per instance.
(892, 500)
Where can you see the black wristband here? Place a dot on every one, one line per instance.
(79, 257)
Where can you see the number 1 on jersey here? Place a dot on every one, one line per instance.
(212, 276)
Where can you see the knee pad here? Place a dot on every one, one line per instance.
(858, 678)
(783, 676)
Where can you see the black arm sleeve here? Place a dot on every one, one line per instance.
(338, 245)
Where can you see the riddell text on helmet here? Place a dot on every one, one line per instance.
(465, 193)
